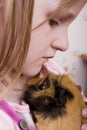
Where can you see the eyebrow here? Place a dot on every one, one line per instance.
(64, 16)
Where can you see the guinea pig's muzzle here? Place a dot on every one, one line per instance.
(61, 95)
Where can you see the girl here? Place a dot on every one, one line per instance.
(45, 28)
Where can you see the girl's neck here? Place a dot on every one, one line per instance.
(15, 94)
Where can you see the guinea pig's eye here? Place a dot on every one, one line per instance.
(41, 87)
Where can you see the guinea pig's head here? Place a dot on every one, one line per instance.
(47, 96)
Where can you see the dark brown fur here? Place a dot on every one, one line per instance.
(56, 103)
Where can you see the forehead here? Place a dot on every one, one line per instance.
(46, 4)
(49, 6)
(42, 8)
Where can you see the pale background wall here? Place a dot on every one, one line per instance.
(78, 45)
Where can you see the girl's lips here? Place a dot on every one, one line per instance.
(45, 59)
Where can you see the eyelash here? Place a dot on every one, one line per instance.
(53, 22)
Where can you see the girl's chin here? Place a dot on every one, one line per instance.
(36, 71)
(32, 72)
(39, 72)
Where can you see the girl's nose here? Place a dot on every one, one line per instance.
(61, 40)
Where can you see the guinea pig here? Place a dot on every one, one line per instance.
(55, 102)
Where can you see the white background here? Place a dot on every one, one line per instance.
(70, 59)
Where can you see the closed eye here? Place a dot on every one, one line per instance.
(53, 22)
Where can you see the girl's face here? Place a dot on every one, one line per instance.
(51, 36)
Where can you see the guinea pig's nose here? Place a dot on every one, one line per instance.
(61, 96)
(63, 92)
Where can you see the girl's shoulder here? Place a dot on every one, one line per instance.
(13, 114)
(6, 123)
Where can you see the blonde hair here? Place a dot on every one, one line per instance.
(16, 38)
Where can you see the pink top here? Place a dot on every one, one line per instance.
(6, 123)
